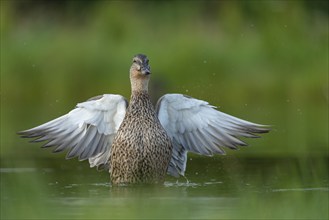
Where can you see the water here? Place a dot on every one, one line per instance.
(218, 187)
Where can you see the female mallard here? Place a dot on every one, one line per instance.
(137, 143)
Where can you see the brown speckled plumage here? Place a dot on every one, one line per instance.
(141, 149)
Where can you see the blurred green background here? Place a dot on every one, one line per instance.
(263, 61)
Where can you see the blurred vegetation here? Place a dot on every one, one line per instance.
(264, 61)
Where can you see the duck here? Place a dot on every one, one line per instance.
(137, 142)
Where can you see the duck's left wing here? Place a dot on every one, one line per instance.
(87, 131)
(194, 125)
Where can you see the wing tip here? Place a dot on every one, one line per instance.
(265, 128)
(24, 134)
(20, 133)
(258, 129)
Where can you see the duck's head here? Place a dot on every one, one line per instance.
(140, 72)
(140, 65)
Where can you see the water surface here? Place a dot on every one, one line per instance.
(214, 188)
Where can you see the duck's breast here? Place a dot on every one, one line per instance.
(141, 150)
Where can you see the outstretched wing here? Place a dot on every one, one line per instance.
(196, 126)
(86, 132)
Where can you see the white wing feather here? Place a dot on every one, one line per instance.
(87, 131)
(194, 125)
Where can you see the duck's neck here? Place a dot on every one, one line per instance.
(141, 104)
(139, 85)
(139, 95)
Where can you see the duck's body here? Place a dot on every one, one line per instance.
(141, 150)
(138, 143)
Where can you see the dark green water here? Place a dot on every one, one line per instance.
(218, 187)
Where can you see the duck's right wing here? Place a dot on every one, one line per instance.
(87, 131)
